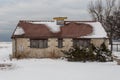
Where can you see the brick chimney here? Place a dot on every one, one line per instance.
(60, 20)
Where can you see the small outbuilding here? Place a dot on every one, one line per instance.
(45, 39)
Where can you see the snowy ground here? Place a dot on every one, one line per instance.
(5, 50)
(49, 69)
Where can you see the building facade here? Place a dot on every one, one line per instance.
(46, 39)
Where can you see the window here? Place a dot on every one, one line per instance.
(60, 22)
(81, 42)
(43, 43)
(60, 43)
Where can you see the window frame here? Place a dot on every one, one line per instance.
(60, 42)
(81, 42)
(39, 43)
(60, 22)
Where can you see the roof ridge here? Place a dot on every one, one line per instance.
(79, 21)
(53, 21)
(36, 21)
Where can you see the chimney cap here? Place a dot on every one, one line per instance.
(59, 18)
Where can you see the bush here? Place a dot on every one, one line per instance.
(91, 53)
(80, 54)
(103, 54)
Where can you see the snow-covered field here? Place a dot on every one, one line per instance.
(55, 69)
(5, 50)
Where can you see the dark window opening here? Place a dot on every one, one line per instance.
(60, 43)
(81, 42)
(43, 43)
(60, 22)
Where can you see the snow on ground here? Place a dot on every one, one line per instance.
(48, 69)
(5, 50)
(56, 69)
(116, 54)
(116, 50)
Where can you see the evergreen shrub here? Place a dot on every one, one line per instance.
(91, 53)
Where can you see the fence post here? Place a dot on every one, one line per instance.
(117, 47)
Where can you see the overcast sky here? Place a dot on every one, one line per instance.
(11, 11)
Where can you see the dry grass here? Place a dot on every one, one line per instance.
(6, 66)
(22, 55)
(53, 55)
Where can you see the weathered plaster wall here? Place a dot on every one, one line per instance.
(22, 46)
(97, 42)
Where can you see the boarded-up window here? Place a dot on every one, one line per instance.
(81, 42)
(43, 43)
(60, 43)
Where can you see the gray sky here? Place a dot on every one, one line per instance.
(11, 11)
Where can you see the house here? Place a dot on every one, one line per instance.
(40, 39)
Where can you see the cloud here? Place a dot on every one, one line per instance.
(11, 11)
(14, 10)
(42, 8)
(3, 30)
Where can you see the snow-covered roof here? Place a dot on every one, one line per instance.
(52, 25)
(98, 31)
(19, 31)
(92, 29)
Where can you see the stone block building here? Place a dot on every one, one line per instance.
(46, 39)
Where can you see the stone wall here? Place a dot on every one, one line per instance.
(97, 41)
(22, 46)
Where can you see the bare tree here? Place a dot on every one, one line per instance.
(108, 14)
(100, 11)
(110, 4)
(96, 10)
